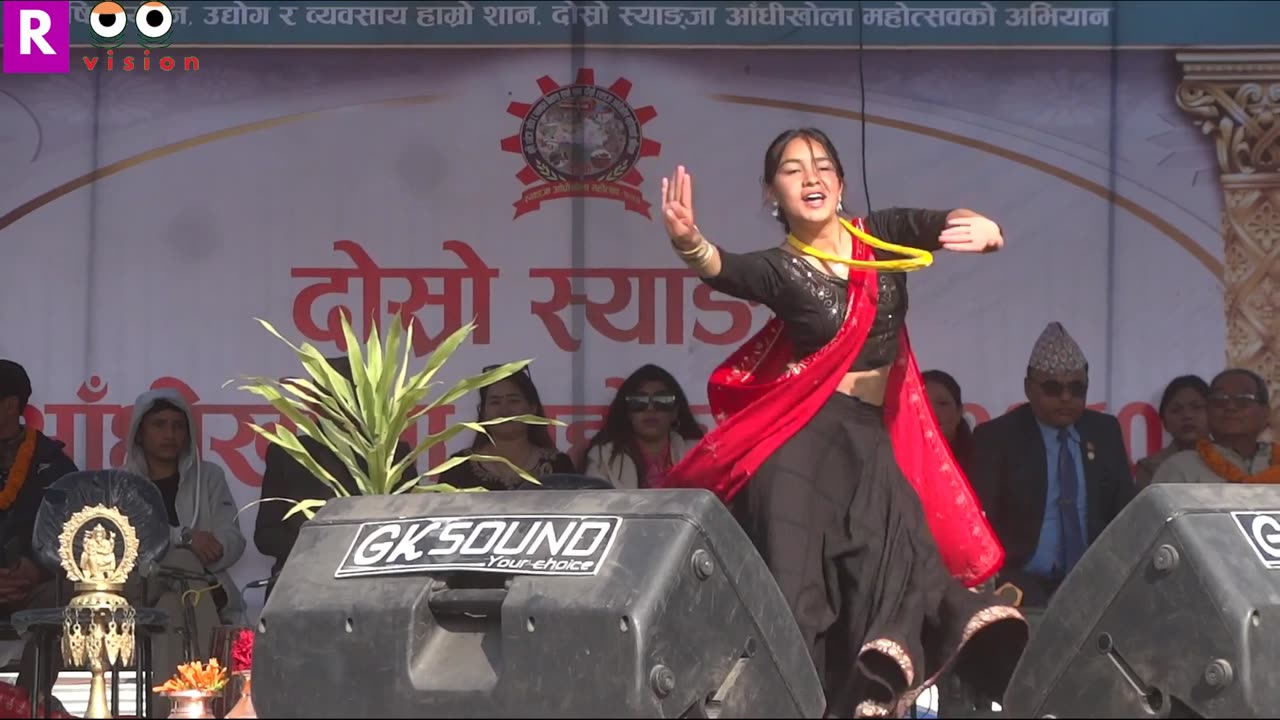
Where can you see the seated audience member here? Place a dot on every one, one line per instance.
(286, 478)
(948, 407)
(1051, 474)
(30, 462)
(1182, 412)
(647, 429)
(526, 446)
(163, 445)
(1239, 412)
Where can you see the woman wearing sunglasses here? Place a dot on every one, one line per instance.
(647, 429)
(826, 445)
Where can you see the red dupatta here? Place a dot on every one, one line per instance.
(759, 403)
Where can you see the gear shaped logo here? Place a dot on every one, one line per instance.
(581, 140)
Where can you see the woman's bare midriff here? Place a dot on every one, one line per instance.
(866, 385)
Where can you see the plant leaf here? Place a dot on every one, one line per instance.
(260, 501)
(360, 421)
(449, 433)
(369, 410)
(446, 466)
(398, 386)
(351, 433)
(290, 444)
(384, 380)
(306, 507)
(476, 457)
(444, 351)
(324, 433)
(468, 385)
(337, 394)
(445, 487)
(332, 440)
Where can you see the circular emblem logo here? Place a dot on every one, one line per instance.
(582, 133)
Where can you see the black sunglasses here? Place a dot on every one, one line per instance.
(1240, 402)
(1054, 388)
(664, 402)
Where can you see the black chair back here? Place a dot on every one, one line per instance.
(137, 498)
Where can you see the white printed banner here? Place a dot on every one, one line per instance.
(441, 186)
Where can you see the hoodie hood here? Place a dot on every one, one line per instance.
(188, 462)
(204, 502)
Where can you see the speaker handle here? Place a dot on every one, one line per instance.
(467, 601)
(1011, 594)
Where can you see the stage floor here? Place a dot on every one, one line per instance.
(73, 690)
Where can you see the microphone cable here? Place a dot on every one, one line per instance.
(862, 108)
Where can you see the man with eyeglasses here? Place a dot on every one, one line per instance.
(1238, 414)
(1051, 474)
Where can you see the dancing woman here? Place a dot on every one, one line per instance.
(853, 500)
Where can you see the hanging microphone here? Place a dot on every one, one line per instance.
(862, 109)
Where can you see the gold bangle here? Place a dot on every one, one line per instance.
(699, 255)
(697, 236)
(691, 252)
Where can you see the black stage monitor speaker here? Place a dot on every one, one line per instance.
(636, 603)
(1173, 612)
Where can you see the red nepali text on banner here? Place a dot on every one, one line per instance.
(664, 300)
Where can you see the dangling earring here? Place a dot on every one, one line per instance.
(776, 210)
(840, 206)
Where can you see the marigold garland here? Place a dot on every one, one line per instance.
(20, 471)
(1227, 470)
(197, 676)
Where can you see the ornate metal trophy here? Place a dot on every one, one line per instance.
(98, 627)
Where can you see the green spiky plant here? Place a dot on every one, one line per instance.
(364, 419)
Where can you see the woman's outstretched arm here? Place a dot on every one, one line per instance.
(747, 276)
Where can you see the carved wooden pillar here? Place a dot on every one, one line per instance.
(1235, 98)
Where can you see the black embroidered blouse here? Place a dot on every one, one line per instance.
(476, 475)
(813, 304)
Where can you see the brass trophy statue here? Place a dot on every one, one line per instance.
(98, 626)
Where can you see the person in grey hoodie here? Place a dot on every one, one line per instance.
(164, 446)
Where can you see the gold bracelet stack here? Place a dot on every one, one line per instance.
(699, 255)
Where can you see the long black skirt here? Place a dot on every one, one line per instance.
(847, 540)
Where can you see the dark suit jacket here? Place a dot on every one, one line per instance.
(284, 477)
(1010, 476)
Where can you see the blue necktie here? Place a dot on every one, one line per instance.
(1073, 544)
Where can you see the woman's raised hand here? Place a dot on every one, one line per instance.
(677, 209)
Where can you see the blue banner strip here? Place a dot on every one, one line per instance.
(939, 23)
